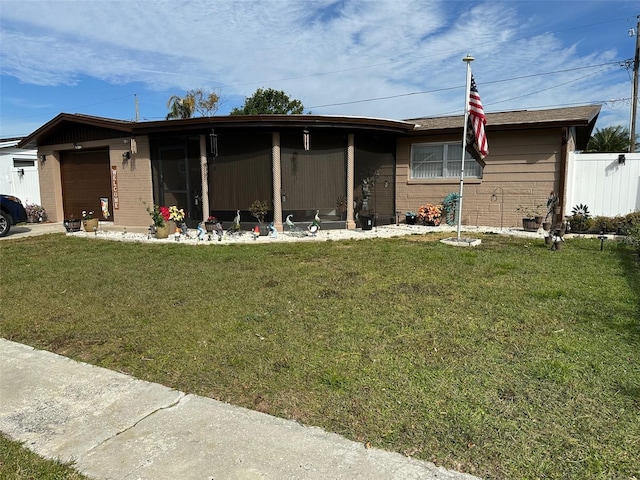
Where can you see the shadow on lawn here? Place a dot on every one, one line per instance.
(630, 261)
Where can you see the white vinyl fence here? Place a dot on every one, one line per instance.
(608, 185)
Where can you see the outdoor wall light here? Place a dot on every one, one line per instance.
(213, 143)
(126, 156)
(77, 146)
(622, 159)
(21, 172)
(305, 139)
(43, 158)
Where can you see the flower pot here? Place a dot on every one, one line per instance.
(90, 225)
(548, 240)
(557, 245)
(538, 219)
(529, 225)
(209, 226)
(546, 226)
(410, 219)
(72, 225)
(162, 232)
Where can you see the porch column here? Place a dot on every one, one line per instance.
(275, 162)
(204, 174)
(351, 224)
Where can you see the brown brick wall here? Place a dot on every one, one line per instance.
(134, 183)
(134, 180)
(50, 185)
(521, 169)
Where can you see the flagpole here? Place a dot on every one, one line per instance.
(468, 59)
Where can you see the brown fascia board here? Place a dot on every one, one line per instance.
(198, 123)
(273, 122)
(31, 141)
(514, 120)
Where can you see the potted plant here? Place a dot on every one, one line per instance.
(90, 224)
(160, 217)
(72, 224)
(259, 210)
(35, 213)
(430, 214)
(531, 217)
(410, 218)
(580, 219)
(177, 216)
(210, 223)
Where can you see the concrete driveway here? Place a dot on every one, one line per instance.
(31, 229)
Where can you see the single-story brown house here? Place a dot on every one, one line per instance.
(343, 167)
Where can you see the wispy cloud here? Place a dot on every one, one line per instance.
(323, 52)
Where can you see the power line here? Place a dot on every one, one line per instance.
(608, 64)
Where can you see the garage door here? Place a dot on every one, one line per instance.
(85, 179)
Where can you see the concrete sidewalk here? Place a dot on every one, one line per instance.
(114, 426)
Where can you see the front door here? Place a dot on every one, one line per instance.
(177, 177)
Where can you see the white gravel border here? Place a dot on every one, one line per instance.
(245, 237)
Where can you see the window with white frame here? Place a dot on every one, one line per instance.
(441, 160)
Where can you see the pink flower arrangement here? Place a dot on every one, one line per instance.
(430, 213)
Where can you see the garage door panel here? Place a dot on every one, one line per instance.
(85, 179)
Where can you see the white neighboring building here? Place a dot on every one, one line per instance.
(19, 171)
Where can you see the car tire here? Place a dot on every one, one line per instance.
(5, 224)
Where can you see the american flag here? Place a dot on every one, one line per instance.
(476, 137)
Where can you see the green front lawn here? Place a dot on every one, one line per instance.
(507, 360)
(19, 463)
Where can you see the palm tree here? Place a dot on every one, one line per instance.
(180, 107)
(609, 140)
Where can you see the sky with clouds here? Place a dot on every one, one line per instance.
(376, 58)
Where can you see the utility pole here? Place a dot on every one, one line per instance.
(137, 109)
(634, 96)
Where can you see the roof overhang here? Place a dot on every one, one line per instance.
(583, 118)
(68, 120)
(201, 124)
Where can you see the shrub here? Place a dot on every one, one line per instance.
(606, 224)
(580, 220)
(632, 218)
(35, 213)
(632, 227)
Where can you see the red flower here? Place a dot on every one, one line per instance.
(164, 211)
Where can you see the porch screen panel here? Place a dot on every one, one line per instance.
(313, 179)
(375, 156)
(241, 173)
(86, 177)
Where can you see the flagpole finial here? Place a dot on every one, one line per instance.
(468, 58)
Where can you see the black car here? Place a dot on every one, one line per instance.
(11, 212)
